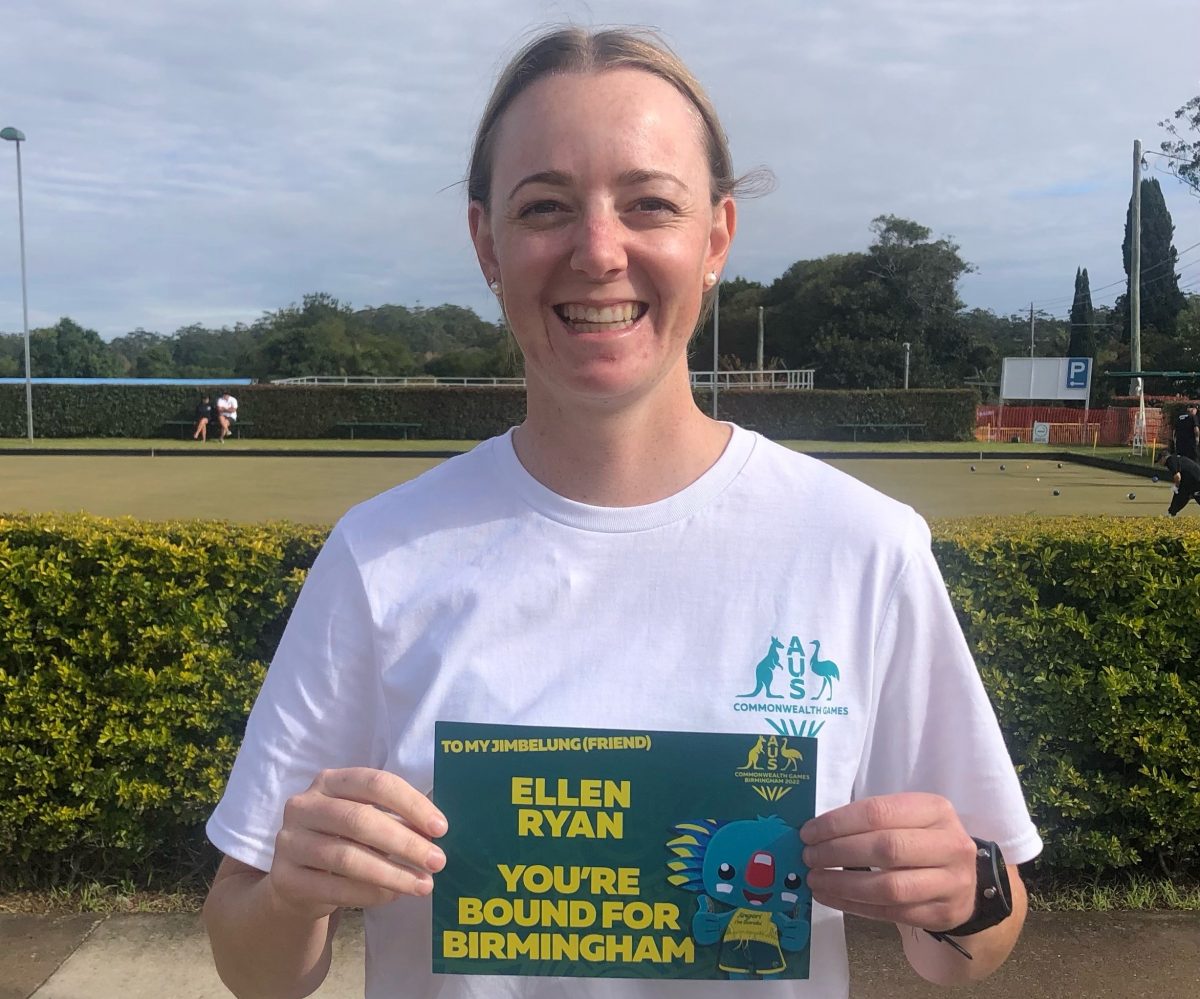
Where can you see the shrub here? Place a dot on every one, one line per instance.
(130, 654)
(1087, 636)
(450, 412)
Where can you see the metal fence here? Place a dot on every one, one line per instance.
(1113, 426)
(801, 378)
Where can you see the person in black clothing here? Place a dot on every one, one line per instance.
(204, 413)
(1186, 433)
(1185, 473)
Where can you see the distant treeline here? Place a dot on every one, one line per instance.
(849, 316)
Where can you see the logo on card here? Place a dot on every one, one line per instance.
(772, 767)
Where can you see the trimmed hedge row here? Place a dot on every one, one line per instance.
(1087, 636)
(131, 652)
(454, 413)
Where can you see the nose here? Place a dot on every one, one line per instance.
(760, 872)
(599, 250)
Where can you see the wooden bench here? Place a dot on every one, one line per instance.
(188, 427)
(856, 427)
(403, 429)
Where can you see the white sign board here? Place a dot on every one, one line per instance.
(1046, 378)
(1041, 433)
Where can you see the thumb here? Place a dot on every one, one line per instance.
(704, 903)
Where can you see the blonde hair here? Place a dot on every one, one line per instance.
(578, 50)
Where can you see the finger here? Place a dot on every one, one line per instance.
(351, 861)
(911, 886)
(384, 790)
(365, 825)
(917, 897)
(303, 887)
(893, 848)
(906, 810)
(929, 917)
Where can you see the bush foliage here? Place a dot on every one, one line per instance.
(453, 413)
(1087, 637)
(130, 654)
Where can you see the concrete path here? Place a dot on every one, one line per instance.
(1061, 956)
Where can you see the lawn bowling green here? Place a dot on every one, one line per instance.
(319, 490)
(949, 488)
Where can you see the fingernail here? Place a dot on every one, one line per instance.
(438, 826)
(436, 859)
(424, 884)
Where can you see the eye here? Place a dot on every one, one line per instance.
(725, 872)
(792, 881)
(539, 209)
(654, 206)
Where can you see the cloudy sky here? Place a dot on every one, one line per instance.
(208, 160)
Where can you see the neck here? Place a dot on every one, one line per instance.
(626, 455)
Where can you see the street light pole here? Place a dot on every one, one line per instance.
(16, 136)
(907, 349)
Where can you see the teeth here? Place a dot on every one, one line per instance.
(622, 313)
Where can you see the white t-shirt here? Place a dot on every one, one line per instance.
(474, 593)
(227, 407)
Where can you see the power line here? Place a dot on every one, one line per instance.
(1114, 284)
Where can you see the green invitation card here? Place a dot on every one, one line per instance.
(622, 854)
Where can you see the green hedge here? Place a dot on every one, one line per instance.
(130, 654)
(450, 412)
(1087, 635)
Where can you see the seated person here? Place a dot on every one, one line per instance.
(227, 411)
(204, 414)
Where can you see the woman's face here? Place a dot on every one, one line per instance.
(601, 230)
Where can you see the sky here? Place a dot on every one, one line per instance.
(206, 161)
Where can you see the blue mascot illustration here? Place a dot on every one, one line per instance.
(753, 889)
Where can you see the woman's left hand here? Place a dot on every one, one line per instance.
(922, 860)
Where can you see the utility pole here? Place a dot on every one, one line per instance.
(760, 341)
(907, 350)
(716, 341)
(1135, 274)
(1031, 327)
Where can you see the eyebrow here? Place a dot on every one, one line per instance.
(560, 178)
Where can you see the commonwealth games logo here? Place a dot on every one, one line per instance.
(772, 767)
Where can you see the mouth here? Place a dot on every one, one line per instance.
(614, 318)
(754, 898)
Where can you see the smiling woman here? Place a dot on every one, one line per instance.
(617, 561)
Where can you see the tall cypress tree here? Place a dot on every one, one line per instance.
(1083, 319)
(1162, 301)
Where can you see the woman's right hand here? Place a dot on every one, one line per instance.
(356, 837)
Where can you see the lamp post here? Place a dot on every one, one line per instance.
(907, 351)
(16, 136)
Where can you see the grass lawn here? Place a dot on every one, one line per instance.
(234, 482)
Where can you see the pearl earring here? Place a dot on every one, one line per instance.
(495, 286)
(710, 279)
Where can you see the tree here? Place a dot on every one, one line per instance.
(1161, 299)
(739, 300)
(12, 355)
(1083, 319)
(143, 354)
(849, 315)
(67, 350)
(1184, 154)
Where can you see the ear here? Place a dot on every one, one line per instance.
(720, 237)
(481, 235)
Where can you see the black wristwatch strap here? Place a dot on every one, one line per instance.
(993, 899)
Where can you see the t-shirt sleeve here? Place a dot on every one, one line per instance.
(319, 708)
(934, 729)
